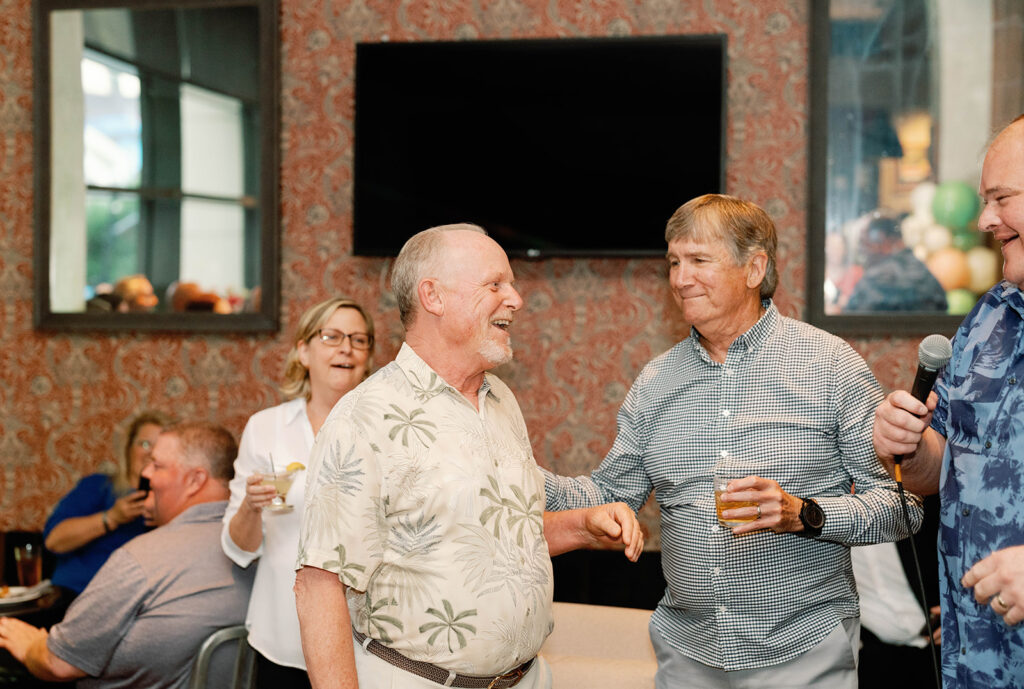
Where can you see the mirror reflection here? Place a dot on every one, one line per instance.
(909, 115)
(155, 147)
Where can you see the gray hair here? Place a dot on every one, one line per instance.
(743, 226)
(421, 254)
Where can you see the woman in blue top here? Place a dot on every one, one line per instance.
(100, 514)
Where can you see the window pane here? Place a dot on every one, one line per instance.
(113, 124)
(212, 245)
(211, 142)
(113, 237)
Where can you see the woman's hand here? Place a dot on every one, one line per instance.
(257, 494)
(126, 508)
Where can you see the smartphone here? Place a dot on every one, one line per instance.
(144, 484)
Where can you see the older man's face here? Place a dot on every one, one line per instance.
(1002, 191)
(707, 284)
(480, 298)
(168, 481)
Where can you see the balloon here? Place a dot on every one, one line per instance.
(937, 238)
(921, 199)
(983, 264)
(966, 239)
(949, 266)
(960, 301)
(913, 228)
(955, 205)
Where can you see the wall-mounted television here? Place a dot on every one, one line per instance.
(558, 147)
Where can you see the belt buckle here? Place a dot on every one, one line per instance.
(517, 674)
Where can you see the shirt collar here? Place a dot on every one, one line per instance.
(751, 339)
(416, 369)
(1013, 296)
(294, 409)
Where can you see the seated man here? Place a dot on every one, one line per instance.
(141, 620)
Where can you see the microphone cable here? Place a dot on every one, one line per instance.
(933, 353)
(920, 578)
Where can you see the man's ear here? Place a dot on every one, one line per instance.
(195, 480)
(756, 269)
(431, 296)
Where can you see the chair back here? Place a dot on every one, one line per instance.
(244, 673)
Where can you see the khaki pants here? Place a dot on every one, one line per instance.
(832, 664)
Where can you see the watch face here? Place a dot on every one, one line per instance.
(813, 516)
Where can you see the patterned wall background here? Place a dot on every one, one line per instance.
(589, 325)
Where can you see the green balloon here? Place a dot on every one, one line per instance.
(959, 302)
(955, 205)
(966, 239)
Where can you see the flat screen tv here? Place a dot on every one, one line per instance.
(557, 147)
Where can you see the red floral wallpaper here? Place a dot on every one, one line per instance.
(589, 324)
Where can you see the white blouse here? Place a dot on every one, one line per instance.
(283, 431)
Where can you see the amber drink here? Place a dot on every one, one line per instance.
(721, 483)
(282, 483)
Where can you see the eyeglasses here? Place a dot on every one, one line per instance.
(334, 338)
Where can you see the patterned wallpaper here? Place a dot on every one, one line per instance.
(589, 324)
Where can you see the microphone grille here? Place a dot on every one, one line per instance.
(935, 351)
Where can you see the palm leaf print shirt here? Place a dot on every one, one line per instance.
(431, 512)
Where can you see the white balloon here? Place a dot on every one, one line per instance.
(921, 199)
(937, 237)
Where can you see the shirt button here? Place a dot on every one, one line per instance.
(723, 454)
(716, 571)
(963, 651)
(714, 528)
(725, 412)
(988, 444)
(1013, 380)
(966, 511)
(721, 608)
(728, 371)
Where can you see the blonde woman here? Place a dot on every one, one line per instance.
(332, 353)
(101, 513)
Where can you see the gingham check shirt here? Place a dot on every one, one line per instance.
(790, 403)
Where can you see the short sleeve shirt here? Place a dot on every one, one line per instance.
(980, 413)
(431, 512)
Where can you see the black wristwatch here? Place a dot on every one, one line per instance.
(812, 518)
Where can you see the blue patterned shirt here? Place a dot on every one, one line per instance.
(981, 415)
(790, 403)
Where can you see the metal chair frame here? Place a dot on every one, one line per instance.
(245, 658)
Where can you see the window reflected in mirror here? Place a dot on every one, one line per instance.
(909, 114)
(155, 152)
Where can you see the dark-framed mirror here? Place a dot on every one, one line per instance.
(156, 165)
(901, 114)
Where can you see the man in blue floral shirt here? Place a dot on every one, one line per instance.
(967, 444)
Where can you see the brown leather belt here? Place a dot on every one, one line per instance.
(440, 675)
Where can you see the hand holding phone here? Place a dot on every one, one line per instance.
(144, 484)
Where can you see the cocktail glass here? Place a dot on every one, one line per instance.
(282, 483)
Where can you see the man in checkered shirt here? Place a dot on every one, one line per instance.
(787, 409)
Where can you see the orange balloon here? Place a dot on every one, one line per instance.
(950, 268)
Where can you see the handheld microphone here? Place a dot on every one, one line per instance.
(933, 353)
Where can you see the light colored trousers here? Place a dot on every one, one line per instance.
(832, 664)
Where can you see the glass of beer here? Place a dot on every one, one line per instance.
(721, 483)
(29, 559)
(282, 482)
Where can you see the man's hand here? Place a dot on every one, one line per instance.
(28, 646)
(775, 509)
(615, 522)
(900, 421)
(18, 637)
(998, 581)
(612, 523)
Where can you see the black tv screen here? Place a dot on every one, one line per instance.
(580, 147)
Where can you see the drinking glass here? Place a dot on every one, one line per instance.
(29, 559)
(282, 482)
(721, 481)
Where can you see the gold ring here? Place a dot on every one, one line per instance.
(759, 511)
(1003, 604)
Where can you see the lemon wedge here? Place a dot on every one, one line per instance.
(295, 466)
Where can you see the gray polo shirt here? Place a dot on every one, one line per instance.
(142, 618)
